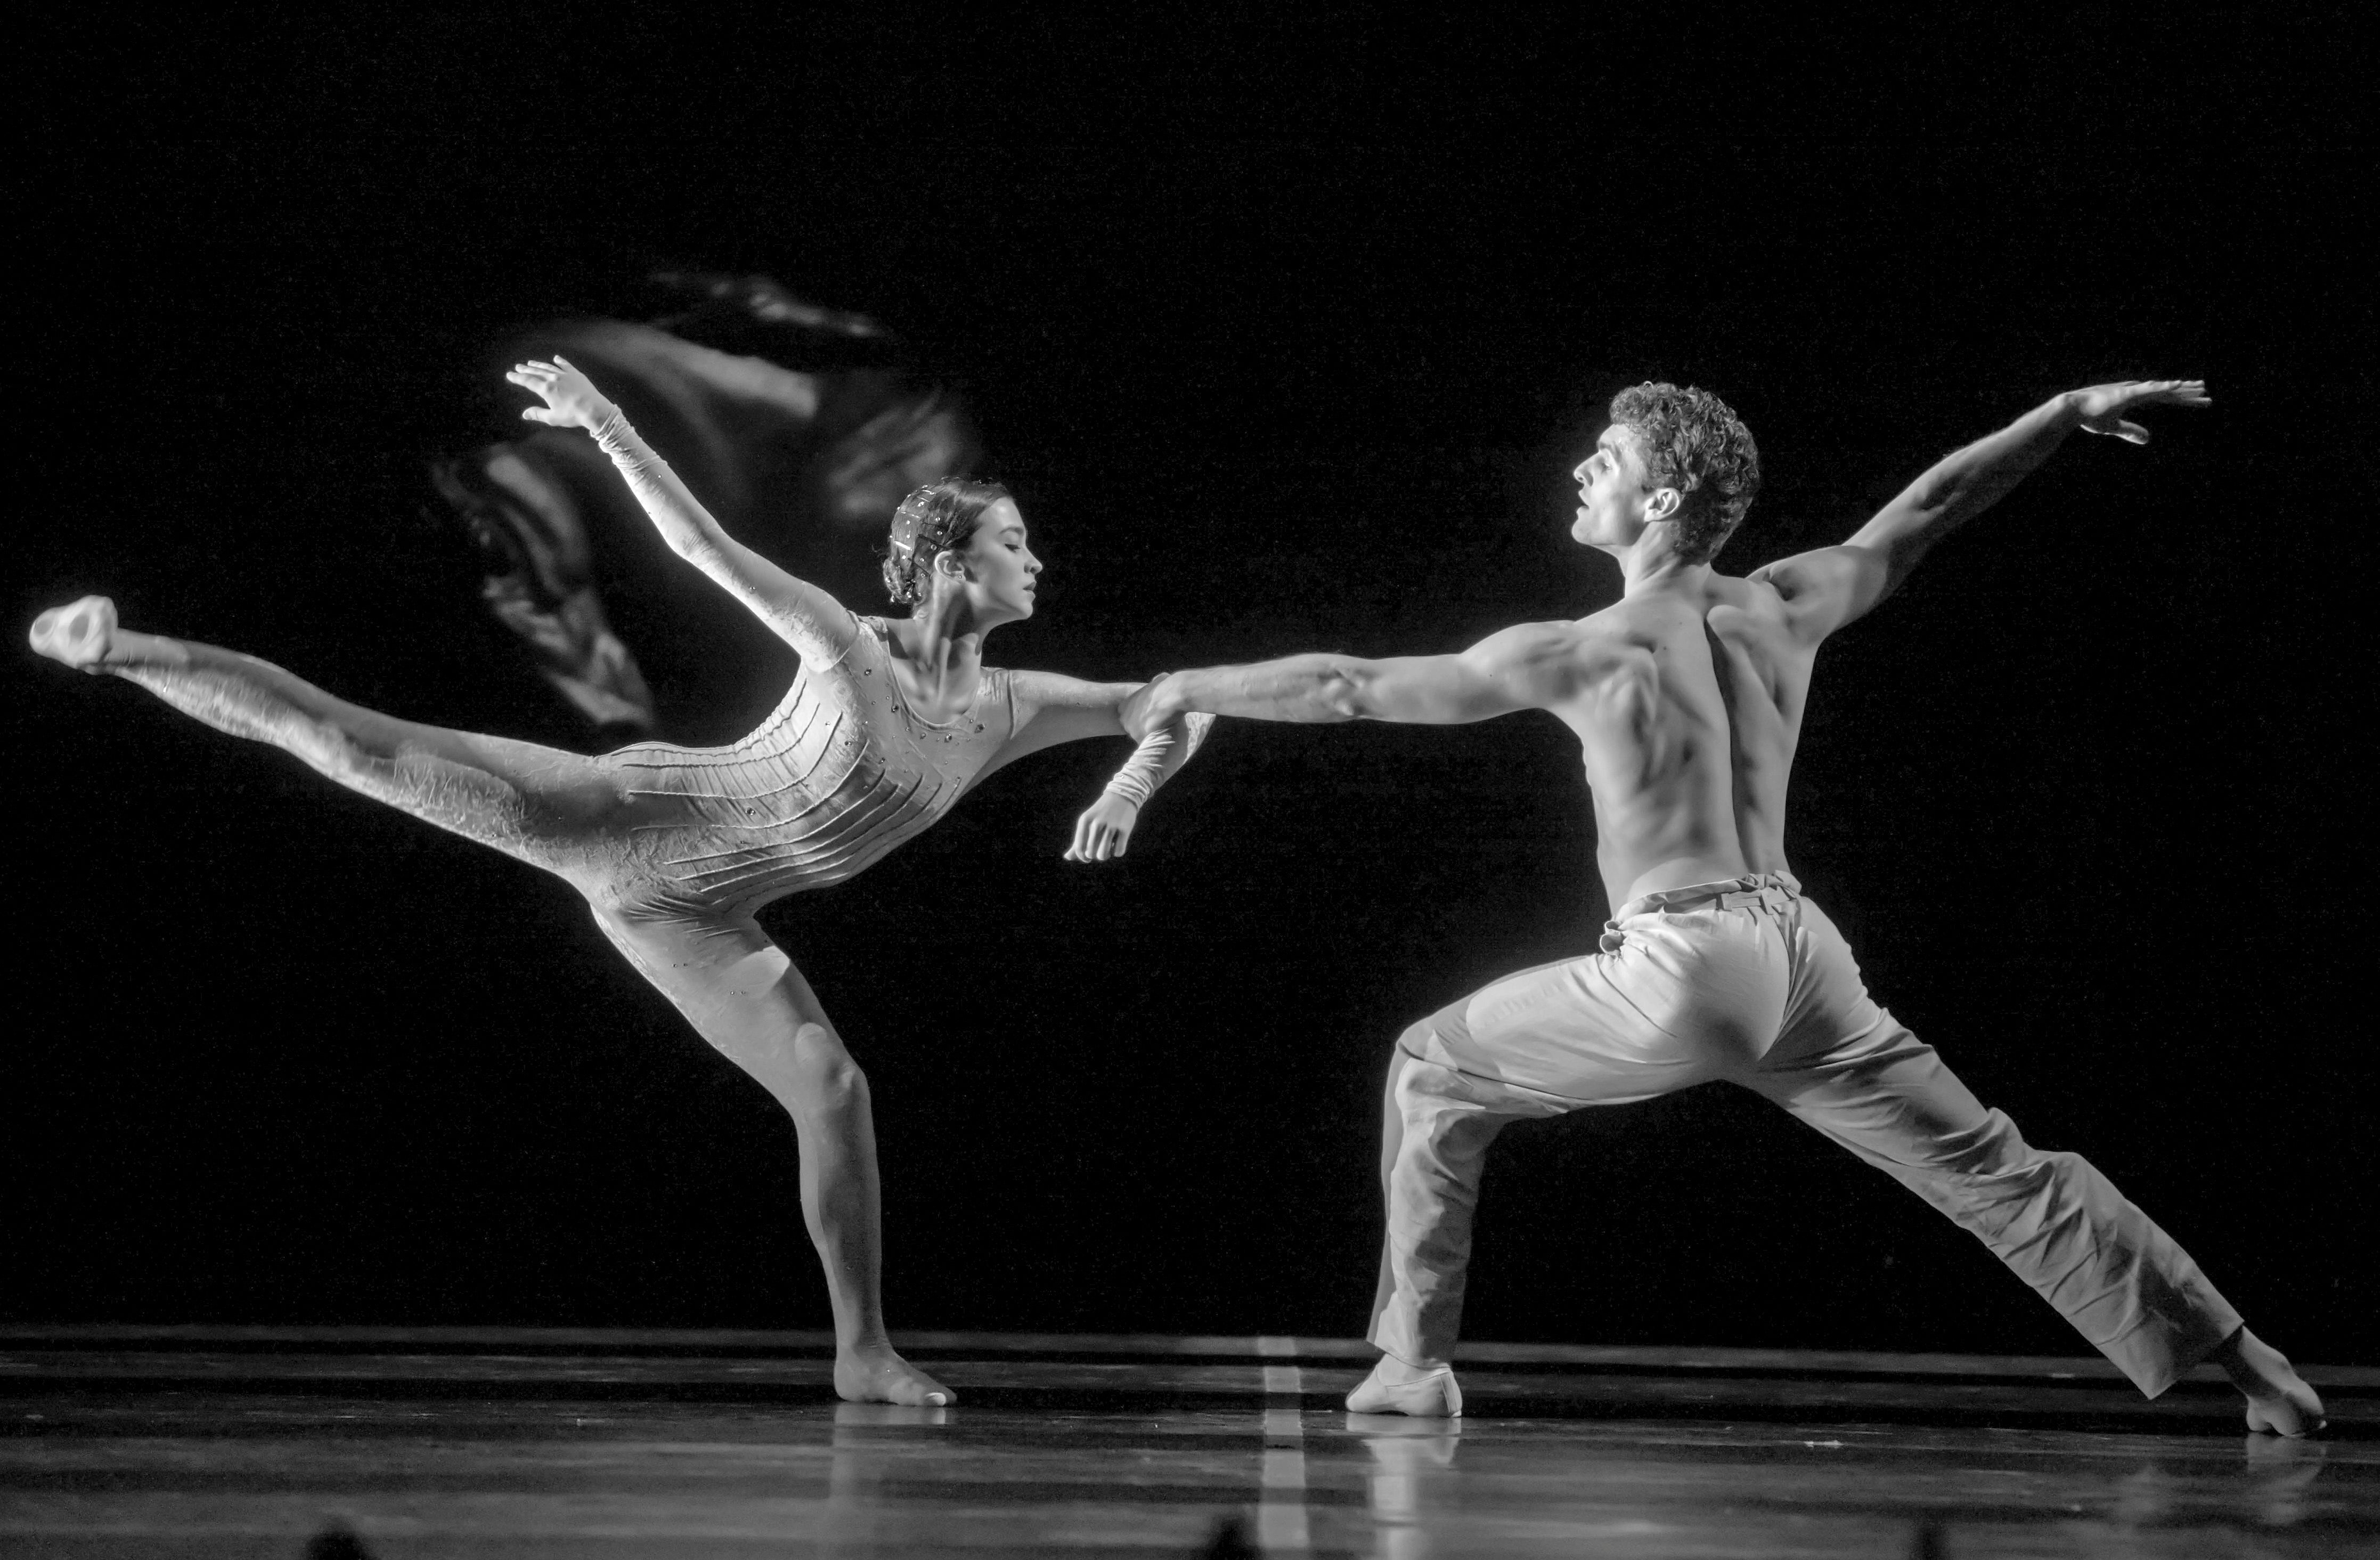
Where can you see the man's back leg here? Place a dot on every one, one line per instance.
(2053, 1218)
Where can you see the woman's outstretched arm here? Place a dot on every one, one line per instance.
(805, 617)
(1051, 709)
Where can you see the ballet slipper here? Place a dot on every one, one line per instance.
(80, 635)
(1432, 1395)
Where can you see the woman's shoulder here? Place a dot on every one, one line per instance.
(995, 683)
(870, 636)
(862, 648)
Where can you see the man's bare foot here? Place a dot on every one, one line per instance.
(80, 635)
(879, 1375)
(2279, 1401)
(1396, 1387)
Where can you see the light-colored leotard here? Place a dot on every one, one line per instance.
(842, 773)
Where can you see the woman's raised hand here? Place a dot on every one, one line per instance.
(571, 399)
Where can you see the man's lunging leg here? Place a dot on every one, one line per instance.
(1437, 1125)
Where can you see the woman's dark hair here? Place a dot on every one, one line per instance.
(936, 519)
(1695, 443)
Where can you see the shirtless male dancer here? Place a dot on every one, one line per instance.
(1687, 696)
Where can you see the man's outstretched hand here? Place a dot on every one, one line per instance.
(2103, 406)
(571, 399)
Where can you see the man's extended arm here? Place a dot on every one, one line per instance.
(1521, 668)
(1831, 587)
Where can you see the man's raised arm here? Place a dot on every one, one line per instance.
(1833, 585)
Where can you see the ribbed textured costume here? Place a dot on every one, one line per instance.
(840, 773)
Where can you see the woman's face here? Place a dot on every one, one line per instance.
(1000, 567)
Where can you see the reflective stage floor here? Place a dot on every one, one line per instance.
(137, 1442)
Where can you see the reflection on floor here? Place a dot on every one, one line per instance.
(135, 1442)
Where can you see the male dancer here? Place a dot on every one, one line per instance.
(1687, 696)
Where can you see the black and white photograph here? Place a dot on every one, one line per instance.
(887, 780)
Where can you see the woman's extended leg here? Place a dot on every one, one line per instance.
(744, 995)
(528, 801)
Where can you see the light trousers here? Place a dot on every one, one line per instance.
(1746, 982)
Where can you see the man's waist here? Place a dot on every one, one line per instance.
(1768, 890)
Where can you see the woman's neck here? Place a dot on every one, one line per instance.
(942, 655)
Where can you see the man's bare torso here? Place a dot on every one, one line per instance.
(1687, 699)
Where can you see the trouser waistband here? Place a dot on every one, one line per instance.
(1768, 890)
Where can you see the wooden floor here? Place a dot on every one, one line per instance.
(136, 1441)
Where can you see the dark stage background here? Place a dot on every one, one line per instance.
(1286, 345)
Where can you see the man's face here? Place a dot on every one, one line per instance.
(1613, 490)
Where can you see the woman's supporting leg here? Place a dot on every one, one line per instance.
(528, 801)
(744, 995)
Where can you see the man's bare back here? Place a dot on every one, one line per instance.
(1687, 709)
(1687, 696)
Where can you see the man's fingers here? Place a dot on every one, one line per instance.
(2131, 433)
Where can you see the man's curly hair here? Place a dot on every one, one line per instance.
(1695, 443)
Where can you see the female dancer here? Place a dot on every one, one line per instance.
(886, 724)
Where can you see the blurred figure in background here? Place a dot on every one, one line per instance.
(797, 423)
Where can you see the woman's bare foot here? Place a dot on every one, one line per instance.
(1396, 1387)
(2279, 1402)
(879, 1375)
(80, 635)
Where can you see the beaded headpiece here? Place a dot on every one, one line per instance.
(921, 528)
(930, 521)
